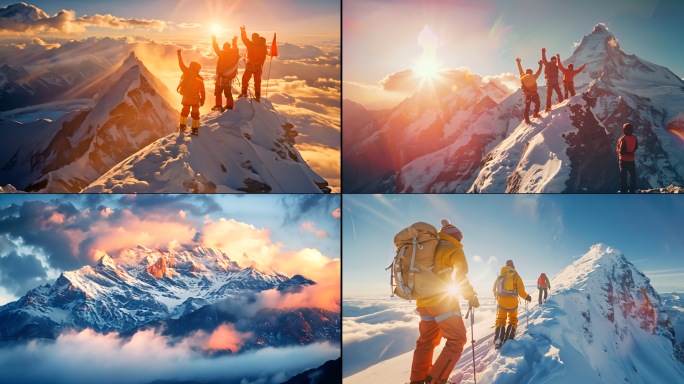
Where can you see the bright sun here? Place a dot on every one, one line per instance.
(216, 29)
(427, 68)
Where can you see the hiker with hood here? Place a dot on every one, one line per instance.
(551, 76)
(627, 145)
(507, 288)
(256, 56)
(226, 70)
(543, 284)
(191, 87)
(528, 81)
(440, 315)
(569, 76)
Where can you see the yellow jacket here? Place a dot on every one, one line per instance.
(449, 256)
(511, 302)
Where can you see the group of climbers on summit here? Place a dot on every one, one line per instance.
(528, 80)
(191, 86)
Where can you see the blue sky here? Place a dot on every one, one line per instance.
(381, 36)
(43, 235)
(541, 233)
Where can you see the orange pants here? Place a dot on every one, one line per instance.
(501, 315)
(443, 324)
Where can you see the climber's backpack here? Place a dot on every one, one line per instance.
(504, 286)
(412, 270)
(541, 281)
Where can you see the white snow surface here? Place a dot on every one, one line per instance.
(602, 323)
(248, 142)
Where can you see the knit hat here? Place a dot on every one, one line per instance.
(509, 263)
(450, 229)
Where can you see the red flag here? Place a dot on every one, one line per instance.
(274, 47)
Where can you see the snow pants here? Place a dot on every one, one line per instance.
(529, 99)
(249, 71)
(628, 167)
(435, 323)
(223, 85)
(502, 313)
(549, 91)
(545, 292)
(568, 88)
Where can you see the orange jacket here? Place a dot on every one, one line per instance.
(569, 74)
(256, 52)
(626, 147)
(227, 60)
(191, 86)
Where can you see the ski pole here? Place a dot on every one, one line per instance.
(471, 311)
(527, 316)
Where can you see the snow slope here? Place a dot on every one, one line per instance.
(247, 149)
(602, 323)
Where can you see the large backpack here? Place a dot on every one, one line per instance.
(541, 281)
(528, 83)
(412, 270)
(504, 286)
(551, 71)
(190, 85)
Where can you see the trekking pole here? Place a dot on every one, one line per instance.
(527, 316)
(471, 311)
(269, 75)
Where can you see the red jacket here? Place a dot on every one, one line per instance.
(626, 147)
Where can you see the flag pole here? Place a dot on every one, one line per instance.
(274, 52)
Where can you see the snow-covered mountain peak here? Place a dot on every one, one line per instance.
(248, 149)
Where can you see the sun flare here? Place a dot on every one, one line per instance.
(426, 68)
(216, 29)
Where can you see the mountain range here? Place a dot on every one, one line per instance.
(176, 293)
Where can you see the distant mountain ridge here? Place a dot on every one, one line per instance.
(140, 286)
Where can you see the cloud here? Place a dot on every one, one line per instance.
(310, 226)
(20, 273)
(89, 357)
(24, 18)
(300, 207)
(337, 213)
(223, 338)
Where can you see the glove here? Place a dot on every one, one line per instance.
(543, 49)
(178, 52)
(474, 302)
(213, 37)
(242, 28)
(517, 59)
(540, 62)
(528, 298)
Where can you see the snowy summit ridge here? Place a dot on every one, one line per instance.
(247, 149)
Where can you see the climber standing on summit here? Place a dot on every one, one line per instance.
(627, 145)
(226, 70)
(551, 76)
(256, 56)
(440, 315)
(507, 288)
(569, 76)
(528, 84)
(191, 87)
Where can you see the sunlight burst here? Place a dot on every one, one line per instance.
(427, 68)
(216, 29)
